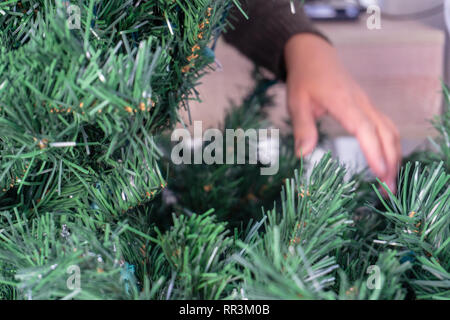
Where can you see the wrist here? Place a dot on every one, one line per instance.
(308, 47)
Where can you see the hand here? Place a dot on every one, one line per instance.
(317, 83)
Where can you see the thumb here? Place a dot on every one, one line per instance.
(304, 126)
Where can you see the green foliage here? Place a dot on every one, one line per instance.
(320, 240)
(391, 277)
(419, 211)
(81, 117)
(236, 192)
(295, 256)
(442, 124)
(198, 250)
(78, 115)
(69, 118)
(43, 250)
(420, 224)
(433, 278)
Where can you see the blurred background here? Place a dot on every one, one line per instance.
(401, 66)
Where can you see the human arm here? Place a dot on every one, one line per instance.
(317, 83)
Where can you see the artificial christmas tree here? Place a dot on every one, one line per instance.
(92, 207)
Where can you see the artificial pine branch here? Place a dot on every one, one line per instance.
(81, 184)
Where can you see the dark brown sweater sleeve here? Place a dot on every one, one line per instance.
(263, 36)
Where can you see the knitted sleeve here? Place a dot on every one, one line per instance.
(263, 36)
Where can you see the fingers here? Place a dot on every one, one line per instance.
(389, 140)
(372, 148)
(377, 135)
(346, 108)
(396, 137)
(304, 125)
(392, 152)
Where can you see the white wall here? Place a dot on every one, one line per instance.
(407, 6)
(413, 6)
